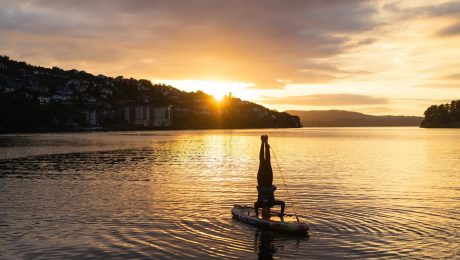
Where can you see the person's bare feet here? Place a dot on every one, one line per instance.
(263, 138)
(266, 140)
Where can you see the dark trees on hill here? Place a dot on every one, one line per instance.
(20, 112)
(36, 99)
(444, 115)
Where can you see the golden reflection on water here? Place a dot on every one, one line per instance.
(367, 192)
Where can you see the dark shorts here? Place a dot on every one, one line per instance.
(269, 204)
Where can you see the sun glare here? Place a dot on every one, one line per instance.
(218, 97)
(218, 89)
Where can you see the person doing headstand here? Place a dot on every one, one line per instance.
(266, 189)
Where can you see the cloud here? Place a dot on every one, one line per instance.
(451, 30)
(257, 41)
(342, 99)
(437, 10)
(445, 10)
(454, 76)
(439, 85)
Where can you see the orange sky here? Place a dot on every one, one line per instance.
(376, 57)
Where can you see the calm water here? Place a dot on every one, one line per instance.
(367, 192)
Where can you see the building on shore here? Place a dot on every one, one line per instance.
(146, 115)
(162, 116)
(91, 118)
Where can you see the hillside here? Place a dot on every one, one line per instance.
(341, 118)
(42, 99)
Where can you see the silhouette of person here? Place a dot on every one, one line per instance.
(266, 189)
(265, 173)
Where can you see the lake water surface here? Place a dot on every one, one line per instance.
(366, 192)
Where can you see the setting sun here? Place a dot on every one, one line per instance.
(218, 89)
(218, 97)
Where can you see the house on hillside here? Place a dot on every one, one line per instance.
(66, 90)
(106, 92)
(43, 99)
(58, 97)
(80, 86)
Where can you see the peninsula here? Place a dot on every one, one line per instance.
(442, 116)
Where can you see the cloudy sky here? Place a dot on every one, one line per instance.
(376, 57)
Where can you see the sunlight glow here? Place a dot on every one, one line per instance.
(217, 89)
(403, 53)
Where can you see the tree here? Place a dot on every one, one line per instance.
(444, 115)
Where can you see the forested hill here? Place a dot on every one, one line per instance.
(34, 99)
(341, 118)
(442, 116)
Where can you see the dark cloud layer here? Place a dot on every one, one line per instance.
(451, 30)
(435, 10)
(326, 100)
(249, 41)
(432, 10)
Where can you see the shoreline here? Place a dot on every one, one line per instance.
(196, 129)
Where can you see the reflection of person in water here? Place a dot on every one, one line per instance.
(266, 189)
(264, 243)
(268, 244)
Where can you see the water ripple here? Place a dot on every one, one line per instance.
(171, 197)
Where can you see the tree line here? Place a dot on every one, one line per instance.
(444, 115)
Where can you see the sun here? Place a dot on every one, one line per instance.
(218, 96)
(217, 89)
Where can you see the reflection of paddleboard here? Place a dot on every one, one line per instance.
(273, 222)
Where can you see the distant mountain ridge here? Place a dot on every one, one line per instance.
(343, 118)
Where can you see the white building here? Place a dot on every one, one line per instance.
(90, 99)
(91, 118)
(59, 98)
(144, 115)
(162, 116)
(65, 91)
(137, 115)
(43, 100)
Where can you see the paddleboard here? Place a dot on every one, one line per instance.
(288, 223)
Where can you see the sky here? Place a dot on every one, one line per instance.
(376, 57)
